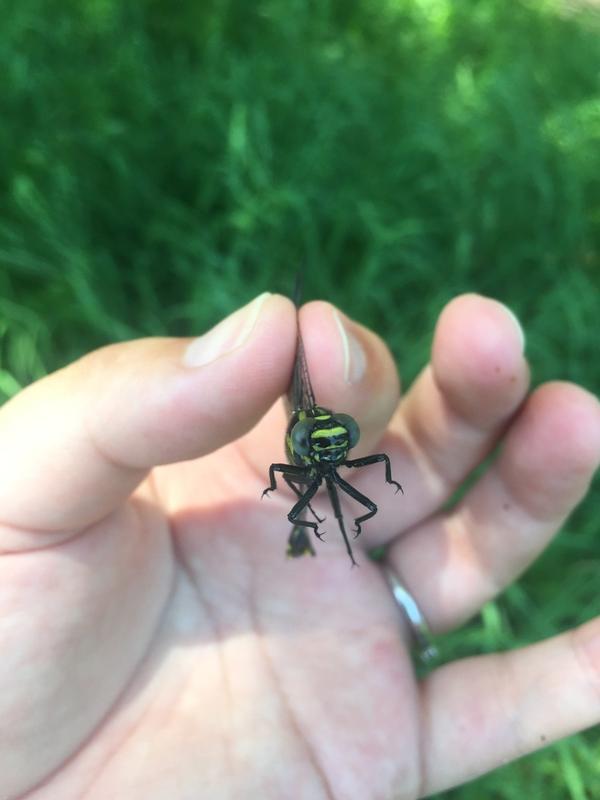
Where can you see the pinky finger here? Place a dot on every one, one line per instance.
(483, 712)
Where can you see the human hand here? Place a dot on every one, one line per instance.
(156, 643)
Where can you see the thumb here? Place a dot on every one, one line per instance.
(76, 443)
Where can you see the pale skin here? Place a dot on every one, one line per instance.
(157, 644)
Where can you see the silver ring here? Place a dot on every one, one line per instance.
(420, 633)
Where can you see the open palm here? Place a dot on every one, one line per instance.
(157, 644)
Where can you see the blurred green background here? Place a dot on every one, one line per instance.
(161, 164)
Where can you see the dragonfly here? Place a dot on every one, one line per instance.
(317, 443)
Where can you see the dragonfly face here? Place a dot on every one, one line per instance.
(319, 438)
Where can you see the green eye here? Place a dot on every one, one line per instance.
(300, 437)
(351, 426)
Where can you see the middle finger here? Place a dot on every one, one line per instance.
(453, 414)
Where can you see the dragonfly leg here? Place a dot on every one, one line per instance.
(296, 512)
(364, 462)
(288, 471)
(335, 502)
(297, 491)
(360, 498)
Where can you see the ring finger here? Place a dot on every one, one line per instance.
(456, 561)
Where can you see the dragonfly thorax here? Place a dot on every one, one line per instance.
(319, 438)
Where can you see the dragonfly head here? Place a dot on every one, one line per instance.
(322, 437)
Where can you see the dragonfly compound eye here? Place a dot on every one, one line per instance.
(300, 436)
(351, 426)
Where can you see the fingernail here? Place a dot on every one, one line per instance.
(231, 333)
(355, 362)
(517, 324)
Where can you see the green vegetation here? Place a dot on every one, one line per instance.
(161, 164)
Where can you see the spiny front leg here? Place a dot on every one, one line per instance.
(364, 462)
(288, 471)
(360, 498)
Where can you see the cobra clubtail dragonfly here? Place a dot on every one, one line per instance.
(317, 443)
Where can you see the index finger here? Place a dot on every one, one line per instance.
(76, 443)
